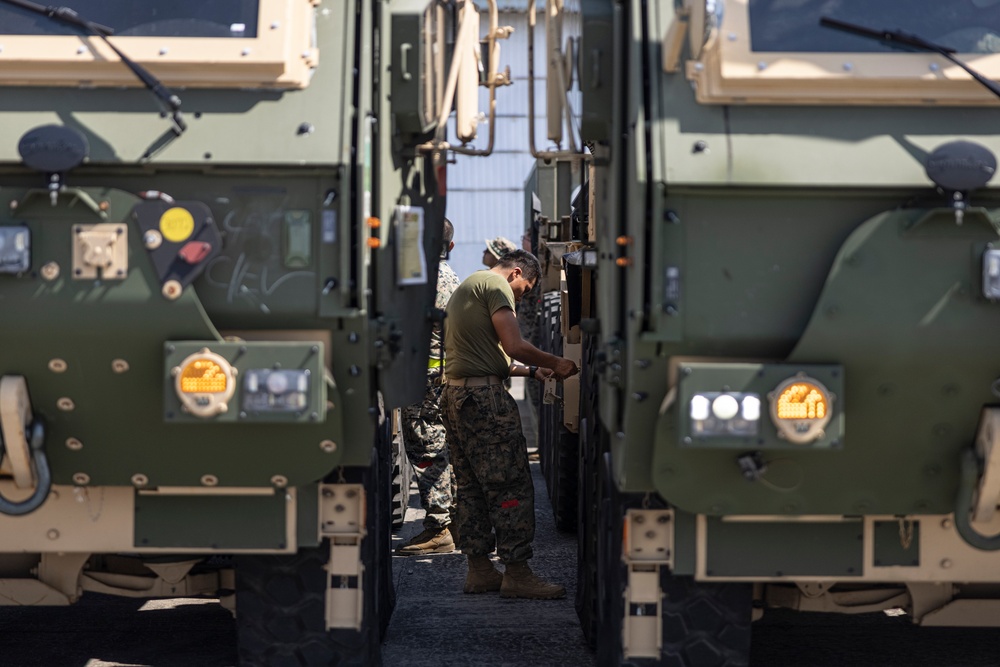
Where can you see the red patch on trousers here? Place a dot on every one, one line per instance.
(507, 504)
(423, 465)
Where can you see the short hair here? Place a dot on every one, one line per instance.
(524, 260)
(446, 236)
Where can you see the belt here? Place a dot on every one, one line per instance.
(481, 381)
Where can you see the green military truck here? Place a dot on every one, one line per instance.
(789, 297)
(219, 231)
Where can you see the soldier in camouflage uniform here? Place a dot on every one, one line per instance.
(496, 499)
(424, 434)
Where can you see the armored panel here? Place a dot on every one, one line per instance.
(211, 522)
(783, 549)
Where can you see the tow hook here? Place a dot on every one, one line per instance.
(979, 483)
(16, 420)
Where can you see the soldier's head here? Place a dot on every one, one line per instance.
(447, 238)
(495, 249)
(521, 269)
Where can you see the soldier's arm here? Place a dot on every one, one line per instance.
(505, 324)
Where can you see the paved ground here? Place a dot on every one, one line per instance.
(436, 624)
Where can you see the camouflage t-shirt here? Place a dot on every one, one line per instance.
(472, 346)
(446, 285)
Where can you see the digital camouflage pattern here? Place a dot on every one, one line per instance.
(423, 431)
(427, 448)
(447, 283)
(490, 459)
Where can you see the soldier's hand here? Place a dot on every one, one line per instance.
(544, 373)
(565, 368)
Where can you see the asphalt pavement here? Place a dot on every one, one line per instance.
(437, 625)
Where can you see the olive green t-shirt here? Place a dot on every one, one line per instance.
(472, 346)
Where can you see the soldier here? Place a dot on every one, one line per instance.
(495, 248)
(489, 453)
(424, 434)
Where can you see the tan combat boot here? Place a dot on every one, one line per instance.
(520, 582)
(430, 541)
(482, 577)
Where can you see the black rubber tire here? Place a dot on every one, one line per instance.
(563, 488)
(593, 441)
(703, 625)
(558, 448)
(281, 599)
(402, 476)
(549, 414)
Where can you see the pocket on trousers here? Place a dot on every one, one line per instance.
(498, 433)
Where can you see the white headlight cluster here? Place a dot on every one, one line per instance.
(715, 413)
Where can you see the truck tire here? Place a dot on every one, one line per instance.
(558, 449)
(563, 487)
(593, 441)
(702, 624)
(281, 599)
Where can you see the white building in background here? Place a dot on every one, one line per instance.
(486, 194)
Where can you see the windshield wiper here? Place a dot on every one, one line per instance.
(67, 15)
(905, 39)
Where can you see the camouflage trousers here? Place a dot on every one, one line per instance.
(427, 448)
(496, 497)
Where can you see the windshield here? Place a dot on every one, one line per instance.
(968, 26)
(153, 18)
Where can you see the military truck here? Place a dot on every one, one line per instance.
(219, 233)
(789, 394)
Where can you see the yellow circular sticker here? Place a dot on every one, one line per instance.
(176, 225)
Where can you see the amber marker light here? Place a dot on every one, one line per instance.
(801, 408)
(203, 376)
(373, 223)
(803, 400)
(374, 242)
(204, 382)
